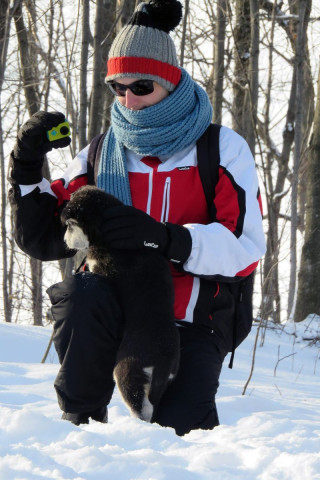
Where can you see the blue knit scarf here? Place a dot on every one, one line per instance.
(166, 128)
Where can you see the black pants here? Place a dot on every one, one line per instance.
(87, 332)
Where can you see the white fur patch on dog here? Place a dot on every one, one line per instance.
(147, 407)
(147, 410)
(74, 237)
(149, 371)
(91, 264)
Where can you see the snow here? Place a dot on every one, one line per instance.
(270, 433)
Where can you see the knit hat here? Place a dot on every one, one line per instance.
(144, 48)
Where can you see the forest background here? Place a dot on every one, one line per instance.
(258, 60)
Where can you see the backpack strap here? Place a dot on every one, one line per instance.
(94, 153)
(208, 155)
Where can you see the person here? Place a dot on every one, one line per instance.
(149, 161)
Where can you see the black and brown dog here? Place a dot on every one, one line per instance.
(148, 356)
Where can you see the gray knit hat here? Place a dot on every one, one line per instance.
(144, 48)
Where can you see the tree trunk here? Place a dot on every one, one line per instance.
(27, 66)
(83, 74)
(218, 68)
(270, 307)
(253, 74)
(5, 20)
(33, 105)
(184, 30)
(308, 298)
(307, 112)
(299, 61)
(105, 14)
(241, 59)
(246, 37)
(125, 9)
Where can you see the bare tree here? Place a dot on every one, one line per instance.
(30, 84)
(242, 41)
(270, 307)
(104, 22)
(86, 34)
(5, 20)
(184, 31)
(125, 9)
(308, 298)
(253, 73)
(277, 165)
(304, 14)
(219, 68)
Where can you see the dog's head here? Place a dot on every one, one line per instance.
(83, 215)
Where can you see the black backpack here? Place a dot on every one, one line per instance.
(208, 155)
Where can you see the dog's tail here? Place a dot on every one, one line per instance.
(133, 383)
(142, 388)
(161, 376)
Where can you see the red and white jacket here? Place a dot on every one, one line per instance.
(169, 190)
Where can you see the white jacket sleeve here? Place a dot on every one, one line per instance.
(234, 242)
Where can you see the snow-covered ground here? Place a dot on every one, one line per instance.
(270, 433)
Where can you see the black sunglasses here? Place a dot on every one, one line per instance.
(138, 88)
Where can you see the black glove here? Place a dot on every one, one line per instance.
(128, 228)
(32, 144)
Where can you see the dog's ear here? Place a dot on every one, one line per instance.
(73, 209)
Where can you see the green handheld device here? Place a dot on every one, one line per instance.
(60, 131)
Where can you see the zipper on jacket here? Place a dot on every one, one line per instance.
(148, 210)
(166, 201)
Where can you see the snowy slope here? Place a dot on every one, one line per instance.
(271, 433)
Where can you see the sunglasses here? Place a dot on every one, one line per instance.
(138, 88)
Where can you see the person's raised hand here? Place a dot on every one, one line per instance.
(32, 144)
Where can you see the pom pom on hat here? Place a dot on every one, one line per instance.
(144, 48)
(164, 14)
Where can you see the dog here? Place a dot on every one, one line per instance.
(148, 356)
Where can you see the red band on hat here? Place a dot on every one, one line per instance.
(142, 65)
